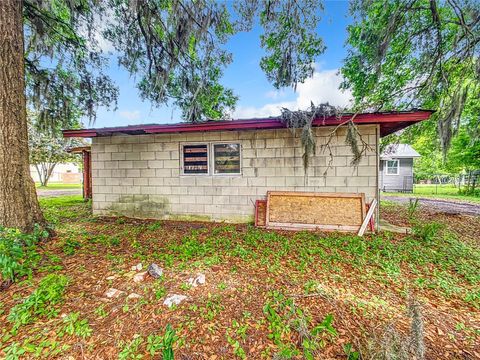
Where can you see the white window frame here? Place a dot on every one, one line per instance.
(397, 167)
(182, 163)
(213, 156)
(210, 157)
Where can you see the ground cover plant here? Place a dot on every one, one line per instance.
(268, 294)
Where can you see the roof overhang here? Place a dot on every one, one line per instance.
(79, 149)
(389, 122)
(394, 157)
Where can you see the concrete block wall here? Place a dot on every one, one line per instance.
(140, 175)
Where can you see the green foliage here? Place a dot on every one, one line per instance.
(73, 325)
(422, 54)
(427, 231)
(130, 350)
(18, 252)
(185, 67)
(63, 62)
(412, 208)
(284, 316)
(71, 207)
(290, 40)
(164, 343)
(351, 354)
(47, 149)
(41, 303)
(70, 246)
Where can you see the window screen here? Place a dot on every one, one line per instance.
(195, 159)
(392, 167)
(226, 158)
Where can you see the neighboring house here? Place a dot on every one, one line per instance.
(69, 173)
(216, 170)
(396, 168)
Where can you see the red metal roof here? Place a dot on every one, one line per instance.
(389, 123)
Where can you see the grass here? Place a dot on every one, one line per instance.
(447, 191)
(58, 186)
(268, 294)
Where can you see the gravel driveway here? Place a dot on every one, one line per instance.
(444, 206)
(56, 193)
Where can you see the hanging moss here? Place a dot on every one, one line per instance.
(301, 121)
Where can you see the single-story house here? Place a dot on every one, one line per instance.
(396, 168)
(216, 170)
(68, 173)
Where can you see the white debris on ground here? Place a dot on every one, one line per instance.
(137, 267)
(155, 271)
(114, 293)
(198, 280)
(133, 296)
(139, 277)
(174, 299)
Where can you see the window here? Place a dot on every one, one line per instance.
(195, 159)
(392, 167)
(226, 158)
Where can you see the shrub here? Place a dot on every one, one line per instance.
(427, 232)
(41, 302)
(18, 252)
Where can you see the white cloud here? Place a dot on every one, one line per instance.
(130, 115)
(276, 94)
(322, 87)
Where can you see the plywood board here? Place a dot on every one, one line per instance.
(328, 211)
(260, 212)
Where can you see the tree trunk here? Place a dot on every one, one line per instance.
(19, 206)
(51, 166)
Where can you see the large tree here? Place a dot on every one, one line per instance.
(18, 201)
(175, 47)
(49, 62)
(417, 53)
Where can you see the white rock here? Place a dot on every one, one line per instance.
(137, 267)
(110, 277)
(133, 296)
(139, 277)
(198, 280)
(114, 293)
(174, 299)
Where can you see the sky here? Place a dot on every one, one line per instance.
(257, 97)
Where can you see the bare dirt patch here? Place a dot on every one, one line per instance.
(440, 206)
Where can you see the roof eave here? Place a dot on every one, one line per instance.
(389, 123)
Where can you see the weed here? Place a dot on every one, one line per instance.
(165, 343)
(427, 232)
(114, 241)
(73, 325)
(120, 221)
(284, 317)
(100, 311)
(130, 350)
(350, 352)
(155, 226)
(70, 246)
(41, 302)
(213, 307)
(412, 208)
(222, 286)
(237, 348)
(18, 252)
(185, 286)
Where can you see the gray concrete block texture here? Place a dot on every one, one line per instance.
(140, 175)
